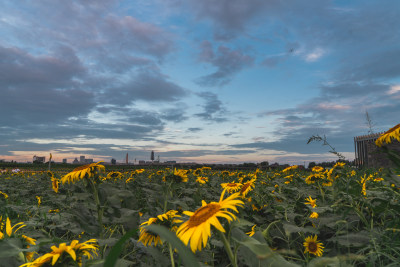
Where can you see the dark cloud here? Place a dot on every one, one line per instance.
(213, 110)
(378, 66)
(194, 129)
(228, 17)
(296, 141)
(41, 88)
(338, 113)
(93, 28)
(199, 153)
(231, 134)
(227, 61)
(138, 36)
(175, 114)
(148, 86)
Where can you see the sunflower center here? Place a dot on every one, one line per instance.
(244, 187)
(393, 129)
(312, 247)
(203, 214)
(81, 167)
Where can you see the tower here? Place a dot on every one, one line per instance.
(152, 156)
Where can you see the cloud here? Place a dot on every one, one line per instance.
(227, 61)
(394, 89)
(213, 110)
(108, 40)
(41, 88)
(194, 129)
(228, 17)
(338, 112)
(315, 55)
(137, 36)
(146, 85)
(175, 114)
(375, 67)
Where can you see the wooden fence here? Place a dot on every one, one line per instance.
(362, 145)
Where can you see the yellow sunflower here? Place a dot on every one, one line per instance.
(4, 195)
(83, 171)
(231, 187)
(314, 215)
(290, 168)
(197, 228)
(180, 175)
(10, 230)
(202, 180)
(327, 184)
(252, 232)
(339, 164)
(54, 184)
(30, 241)
(317, 169)
(74, 251)
(312, 178)
(313, 246)
(312, 202)
(386, 137)
(114, 175)
(168, 219)
(139, 171)
(247, 187)
(39, 200)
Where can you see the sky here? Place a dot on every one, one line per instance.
(227, 81)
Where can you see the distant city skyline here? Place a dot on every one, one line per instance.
(226, 81)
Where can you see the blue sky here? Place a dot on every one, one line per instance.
(226, 81)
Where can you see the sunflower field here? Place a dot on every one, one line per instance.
(200, 217)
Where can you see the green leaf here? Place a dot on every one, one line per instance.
(360, 239)
(263, 252)
(339, 261)
(112, 257)
(159, 258)
(10, 247)
(291, 228)
(241, 223)
(185, 253)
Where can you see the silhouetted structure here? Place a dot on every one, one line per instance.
(37, 159)
(368, 154)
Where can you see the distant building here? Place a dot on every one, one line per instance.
(82, 159)
(75, 161)
(113, 161)
(142, 162)
(152, 156)
(64, 161)
(37, 159)
(88, 161)
(170, 162)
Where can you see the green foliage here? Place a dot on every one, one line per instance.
(356, 229)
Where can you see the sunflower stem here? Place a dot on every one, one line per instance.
(98, 206)
(166, 198)
(228, 248)
(171, 254)
(322, 193)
